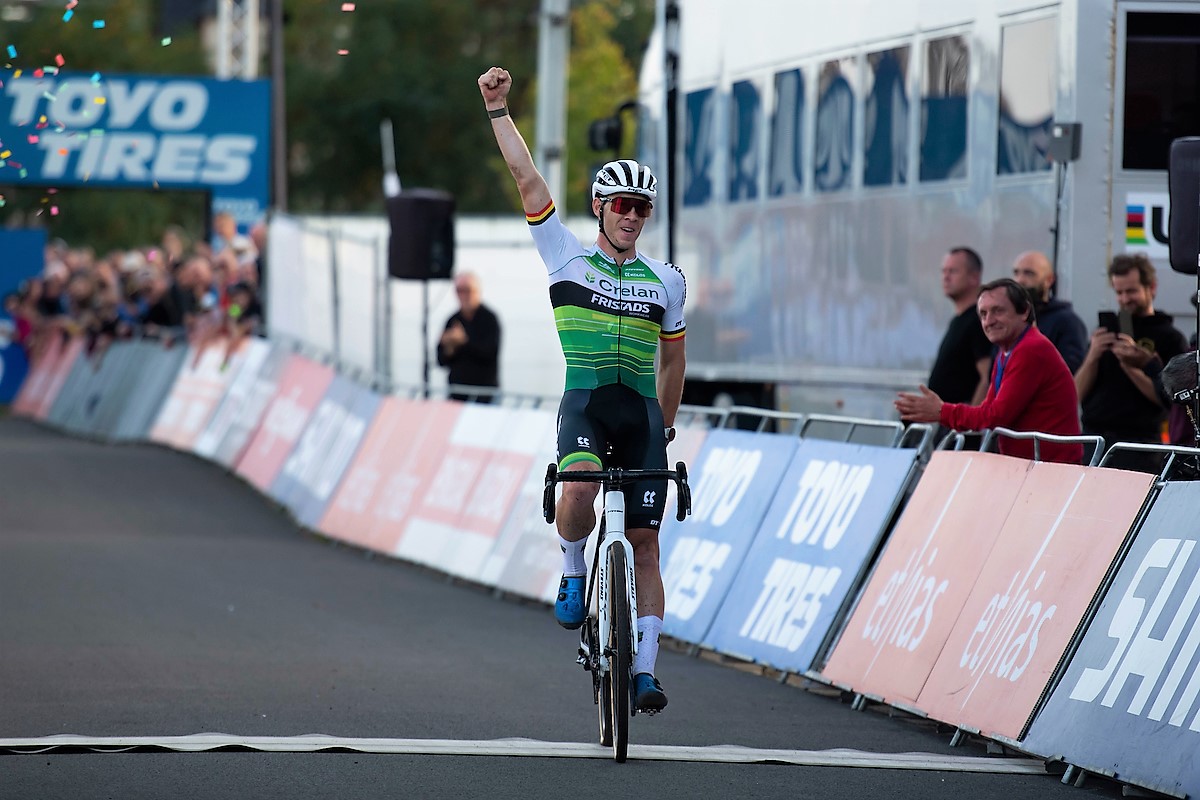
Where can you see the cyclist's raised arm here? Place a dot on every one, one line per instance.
(494, 85)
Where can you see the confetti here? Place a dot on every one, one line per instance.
(95, 77)
(33, 138)
(59, 60)
(67, 15)
(54, 211)
(37, 73)
(98, 23)
(12, 51)
(343, 52)
(17, 74)
(347, 6)
(72, 4)
(2, 201)
(5, 153)
(100, 100)
(166, 41)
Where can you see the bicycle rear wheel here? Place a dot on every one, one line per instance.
(620, 646)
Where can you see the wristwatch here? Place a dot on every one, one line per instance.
(669, 433)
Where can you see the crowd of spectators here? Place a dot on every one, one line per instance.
(170, 291)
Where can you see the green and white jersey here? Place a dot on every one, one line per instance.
(609, 317)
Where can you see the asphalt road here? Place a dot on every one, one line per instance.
(146, 593)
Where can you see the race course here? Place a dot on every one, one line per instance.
(168, 632)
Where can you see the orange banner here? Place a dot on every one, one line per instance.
(1058, 542)
(927, 570)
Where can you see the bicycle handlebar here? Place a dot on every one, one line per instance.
(615, 478)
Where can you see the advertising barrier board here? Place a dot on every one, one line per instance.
(391, 471)
(159, 367)
(811, 551)
(302, 384)
(1057, 544)
(1129, 701)
(733, 481)
(329, 442)
(929, 565)
(206, 373)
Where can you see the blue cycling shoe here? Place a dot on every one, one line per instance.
(569, 608)
(648, 694)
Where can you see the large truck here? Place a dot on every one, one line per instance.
(819, 160)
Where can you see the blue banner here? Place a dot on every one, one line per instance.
(14, 366)
(734, 479)
(313, 471)
(1128, 701)
(145, 131)
(811, 552)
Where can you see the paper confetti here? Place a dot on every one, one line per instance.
(95, 77)
(54, 211)
(12, 51)
(59, 60)
(166, 41)
(347, 6)
(98, 23)
(67, 15)
(343, 52)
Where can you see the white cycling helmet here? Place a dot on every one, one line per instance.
(625, 177)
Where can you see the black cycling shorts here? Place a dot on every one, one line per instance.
(615, 427)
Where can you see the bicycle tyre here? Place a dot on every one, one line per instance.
(604, 700)
(620, 644)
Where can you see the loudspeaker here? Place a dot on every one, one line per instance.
(421, 244)
(1064, 142)
(1183, 178)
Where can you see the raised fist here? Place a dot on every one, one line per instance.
(494, 85)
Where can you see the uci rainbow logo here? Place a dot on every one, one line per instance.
(1135, 224)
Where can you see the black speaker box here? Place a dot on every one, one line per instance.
(1183, 177)
(421, 244)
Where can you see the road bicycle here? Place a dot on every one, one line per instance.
(608, 638)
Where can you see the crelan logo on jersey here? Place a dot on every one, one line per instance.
(589, 276)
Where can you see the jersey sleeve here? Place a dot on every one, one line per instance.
(555, 243)
(673, 324)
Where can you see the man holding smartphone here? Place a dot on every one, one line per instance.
(1116, 380)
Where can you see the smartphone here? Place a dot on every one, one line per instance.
(1125, 323)
(1109, 321)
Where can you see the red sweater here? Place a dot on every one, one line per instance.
(1037, 393)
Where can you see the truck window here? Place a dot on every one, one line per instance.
(787, 140)
(834, 139)
(885, 118)
(1027, 88)
(1162, 78)
(944, 108)
(746, 118)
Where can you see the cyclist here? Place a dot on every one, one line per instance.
(613, 306)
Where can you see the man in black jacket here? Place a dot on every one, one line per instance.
(1057, 321)
(470, 343)
(1115, 382)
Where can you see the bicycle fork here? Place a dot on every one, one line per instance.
(595, 654)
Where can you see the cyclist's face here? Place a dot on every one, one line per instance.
(623, 229)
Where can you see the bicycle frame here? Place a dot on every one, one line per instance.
(614, 536)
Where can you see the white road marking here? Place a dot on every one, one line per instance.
(532, 748)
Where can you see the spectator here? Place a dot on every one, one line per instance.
(1115, 381)
(470, 343)
(226, 236)
(1030, 387)
(960, 371)
(1057, 321)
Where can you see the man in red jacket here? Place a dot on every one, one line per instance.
(1031, 388)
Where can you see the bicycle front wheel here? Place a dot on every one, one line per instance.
(620, 648)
